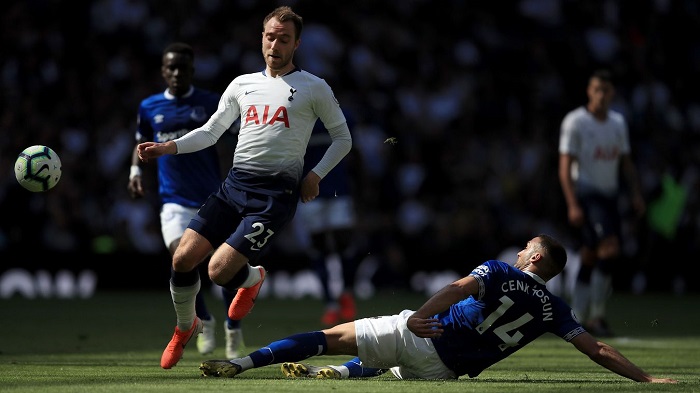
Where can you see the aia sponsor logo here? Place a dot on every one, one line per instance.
(265, 115)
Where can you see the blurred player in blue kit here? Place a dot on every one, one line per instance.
(462, 329)
(278, 108)
(328, 222)
(184, 182)
(594, 153)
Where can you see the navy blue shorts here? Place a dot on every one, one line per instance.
(602, 218)
(247, 221)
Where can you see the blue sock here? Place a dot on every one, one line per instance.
(291, 349)
(201, 307)
(358, 371)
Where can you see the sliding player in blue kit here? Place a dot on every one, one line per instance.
(278, 108)
(463, 329)
(184, 182)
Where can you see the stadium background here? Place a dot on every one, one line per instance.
(471, 92)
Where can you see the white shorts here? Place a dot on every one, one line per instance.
(174, 219)
(386, 342)
(326, 213)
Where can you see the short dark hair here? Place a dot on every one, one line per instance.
(179, 47)
(283, 14)
(603, 74)
(554, 249)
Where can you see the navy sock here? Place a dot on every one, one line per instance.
(321, 268)
(184, 279)
(201, 307)
(291, 349)
(358, 371)
(237, 280)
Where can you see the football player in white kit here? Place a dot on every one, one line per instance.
(277, 108)
(593, 148)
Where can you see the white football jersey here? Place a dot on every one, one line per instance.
(277, 117)
(596, 147)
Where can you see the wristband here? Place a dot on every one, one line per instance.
(135, 171)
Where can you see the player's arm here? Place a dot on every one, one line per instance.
(341, 143)
(135, 185)
(629, 173)
(612, 359)
(195, 140)
(422, 323)
(575, 213)
(149, 150)
(202, 137)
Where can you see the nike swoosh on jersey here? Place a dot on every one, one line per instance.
(248, 92)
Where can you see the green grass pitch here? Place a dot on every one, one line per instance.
(112, 343)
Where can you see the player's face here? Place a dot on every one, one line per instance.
(278, 45)
(600, 95)
(177, 70)
(525, 254)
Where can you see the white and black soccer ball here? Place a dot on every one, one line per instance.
(38, 168)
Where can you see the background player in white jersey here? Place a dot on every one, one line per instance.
(593, 148)
(278, 108)
(328, 224)
(463, 329)
(184, 182)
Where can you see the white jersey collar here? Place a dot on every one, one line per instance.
(536, 277)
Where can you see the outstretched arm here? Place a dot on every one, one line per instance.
(613, 360)
(630, 175)
(574, 211)
(135, 185)
(148, 150)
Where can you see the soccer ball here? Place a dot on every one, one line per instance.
(38, 168)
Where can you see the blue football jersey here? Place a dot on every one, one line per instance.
(512, 309)
(185, 179)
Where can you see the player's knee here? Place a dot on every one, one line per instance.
(183, 264)
(215, 271)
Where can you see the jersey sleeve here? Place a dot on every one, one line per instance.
(338, 149)
(326, 106)
(567, 325)
(207, 135)
(144, 131)
(567, 135)
(624, 134)
(484, 275)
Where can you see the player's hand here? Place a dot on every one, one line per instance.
(148, 150)
(575, 215)
(639, 206)
(424, 327)
(135, 187)
(663, 380)
(309, 187)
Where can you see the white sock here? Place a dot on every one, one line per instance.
(344, 372)
(184, 303)
(254, 276)
(601, 286)
(246, 363)
(580, 301)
